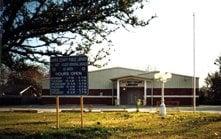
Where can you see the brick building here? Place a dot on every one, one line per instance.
(123, 86)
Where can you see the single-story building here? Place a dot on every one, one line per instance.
(123, 86)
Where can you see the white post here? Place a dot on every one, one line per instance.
(118, 92)
(194, 63)
(162, 77)
(145, 93)
(162, 93)
(162, 105)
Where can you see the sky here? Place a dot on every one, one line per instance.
(167, 43)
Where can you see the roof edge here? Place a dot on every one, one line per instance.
(177, 74)
(117, 68)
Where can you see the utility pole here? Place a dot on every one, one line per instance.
(194, 65)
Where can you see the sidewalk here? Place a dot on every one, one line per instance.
(103, 108)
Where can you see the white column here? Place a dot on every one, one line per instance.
(118, 92)
(152, 92)
(145, 93)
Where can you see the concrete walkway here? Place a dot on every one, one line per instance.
(104, 108)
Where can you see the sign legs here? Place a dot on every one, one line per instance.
(57, 111)
(81, 101)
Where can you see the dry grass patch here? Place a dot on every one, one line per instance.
(113, 124)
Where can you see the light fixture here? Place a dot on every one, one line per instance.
(162, 77)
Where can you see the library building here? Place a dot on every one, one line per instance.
(124, 86)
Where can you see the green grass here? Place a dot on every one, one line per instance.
(112, 124)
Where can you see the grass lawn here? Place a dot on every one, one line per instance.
(111, 125)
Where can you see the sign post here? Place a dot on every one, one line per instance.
(69, 76)
(57, 111)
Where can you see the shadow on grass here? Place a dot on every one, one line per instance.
(31, 123)
(62, 133)
(36, 123)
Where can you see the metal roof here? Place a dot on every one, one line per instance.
(118, 68)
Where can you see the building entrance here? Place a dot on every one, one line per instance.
(130, 96)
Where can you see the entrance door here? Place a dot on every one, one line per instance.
(131, 95)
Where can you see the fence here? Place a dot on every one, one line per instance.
(18, 100)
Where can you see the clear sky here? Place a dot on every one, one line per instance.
(167, 43)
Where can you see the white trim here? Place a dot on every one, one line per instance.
(25, 90)
(121, 78)
(77, 96)
(175, 96)
(148, 96)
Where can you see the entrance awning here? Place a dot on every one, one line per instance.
(138, 77)
(124, 79)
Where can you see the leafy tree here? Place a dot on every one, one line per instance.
(211, 93)
(36, 29)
